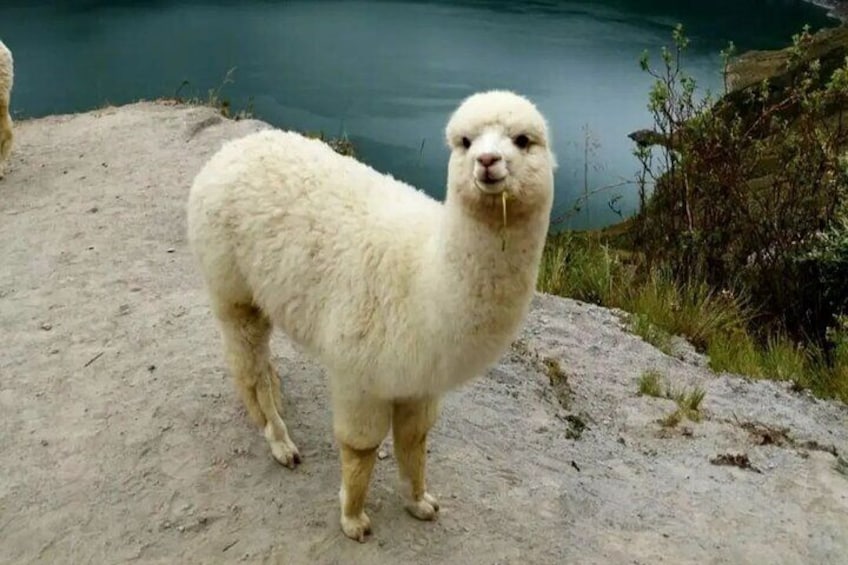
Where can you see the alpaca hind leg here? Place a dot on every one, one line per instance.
(411, 421)
(241, 361)
(359, 429)
(276, 432)
(276, 384)
(246, 332)
(6, 134)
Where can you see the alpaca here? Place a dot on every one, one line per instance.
(400, 297)
(7, 76)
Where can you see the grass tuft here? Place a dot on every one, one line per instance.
(213, 99)
(650, 384)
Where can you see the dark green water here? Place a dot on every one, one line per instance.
(388, 73)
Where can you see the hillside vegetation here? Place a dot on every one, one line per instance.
(740, 243)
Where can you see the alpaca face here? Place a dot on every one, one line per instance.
(491, 153)
(499, 143)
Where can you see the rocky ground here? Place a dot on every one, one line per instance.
(122, 439)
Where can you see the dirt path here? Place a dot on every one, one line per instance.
(121, 437)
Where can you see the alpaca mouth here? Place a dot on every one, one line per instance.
(490, 185)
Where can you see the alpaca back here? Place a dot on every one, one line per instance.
(330, 249)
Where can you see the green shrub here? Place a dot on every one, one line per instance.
(740, 188)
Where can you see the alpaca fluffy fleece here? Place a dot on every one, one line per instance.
(399, 296)
(7, 77)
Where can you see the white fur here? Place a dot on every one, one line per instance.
(7, 76)
(399, 296)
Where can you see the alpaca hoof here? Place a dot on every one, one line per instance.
(424, 509)
(284, 450)
(356, 528)
(285, 453)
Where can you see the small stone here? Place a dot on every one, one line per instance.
(171, 250)
(93, 210)
(180, 528)
(46, 327)
(45, 443)
(151, 368)
(382, 454)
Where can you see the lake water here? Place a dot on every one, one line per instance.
(388, 73)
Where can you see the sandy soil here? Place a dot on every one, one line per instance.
(123, 440)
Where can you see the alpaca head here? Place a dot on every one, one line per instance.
(499, 143)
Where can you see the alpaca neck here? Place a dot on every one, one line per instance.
(483, 276)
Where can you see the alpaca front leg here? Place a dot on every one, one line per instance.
(357, 465)
(359, 426)
(410, 424)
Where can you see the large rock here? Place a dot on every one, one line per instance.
(122, 438)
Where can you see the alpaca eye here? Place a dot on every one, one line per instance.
(521, 141)
(466, 142)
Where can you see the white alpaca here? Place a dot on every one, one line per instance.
(7, 76)
(400, 297)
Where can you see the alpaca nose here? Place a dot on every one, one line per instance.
(488, 159)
